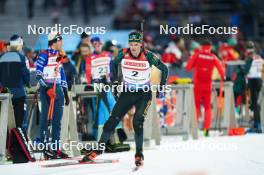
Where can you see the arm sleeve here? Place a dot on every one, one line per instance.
(73, 73)
(25, 71)
(154, 60)
(42, 61)
(114, 65)
(63, 78)
(220, 68)
(191, 62)
(247, 65)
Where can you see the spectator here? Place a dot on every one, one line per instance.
(85, 39)
(14, 75)
(3, 47)
(109, 46)
(85, 51)
(227, 51)
(254, 66)
(30, 57)
(173, 53)
(70, 72)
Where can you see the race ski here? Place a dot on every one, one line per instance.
(97, 161)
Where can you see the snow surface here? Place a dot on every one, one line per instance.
(240, 155)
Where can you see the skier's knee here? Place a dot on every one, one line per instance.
(111, 123)
(138, 124)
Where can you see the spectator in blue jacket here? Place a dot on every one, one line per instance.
(14, 75)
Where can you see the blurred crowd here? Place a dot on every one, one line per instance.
(174, 51)
(244, 14)
(88, 8)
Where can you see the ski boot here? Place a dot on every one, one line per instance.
(49, 154)
(62, 155)
(206, 132)
(54, 154)
(90, 156)
(256, 128)
(139, 160)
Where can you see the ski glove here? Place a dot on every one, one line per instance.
(50, 92)
(66, 96)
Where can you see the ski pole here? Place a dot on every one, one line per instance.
(220, 103)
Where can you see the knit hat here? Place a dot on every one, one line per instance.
(16, 40)
(135, 37)
(53, 37)
(95, 38)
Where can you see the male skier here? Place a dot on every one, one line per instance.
(136, 65)
(203, 63)
(97, 73)
(47, 64)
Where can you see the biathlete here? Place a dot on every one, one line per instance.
(136, 63)
(203, 62)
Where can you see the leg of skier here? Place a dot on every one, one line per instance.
(123, 104)
(142, 106)
(207, 110)
(197, 99)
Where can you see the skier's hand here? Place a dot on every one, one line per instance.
(160, 94)
(67, 100)
(66, 96)
(104, 80)
(160, 91)
(115, 88)
(50, 92)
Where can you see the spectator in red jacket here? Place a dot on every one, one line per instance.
(227, 51)
(173, 53)
(3, 47)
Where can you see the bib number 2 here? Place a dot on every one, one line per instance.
(134, 73)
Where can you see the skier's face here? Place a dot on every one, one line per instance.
(135, 48)
(86, 40)
(97, 45)
(59, 45)
(85, 51)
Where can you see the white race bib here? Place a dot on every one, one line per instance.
(255, 70)
(136, 72)
(100, 67)
(49, 71)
